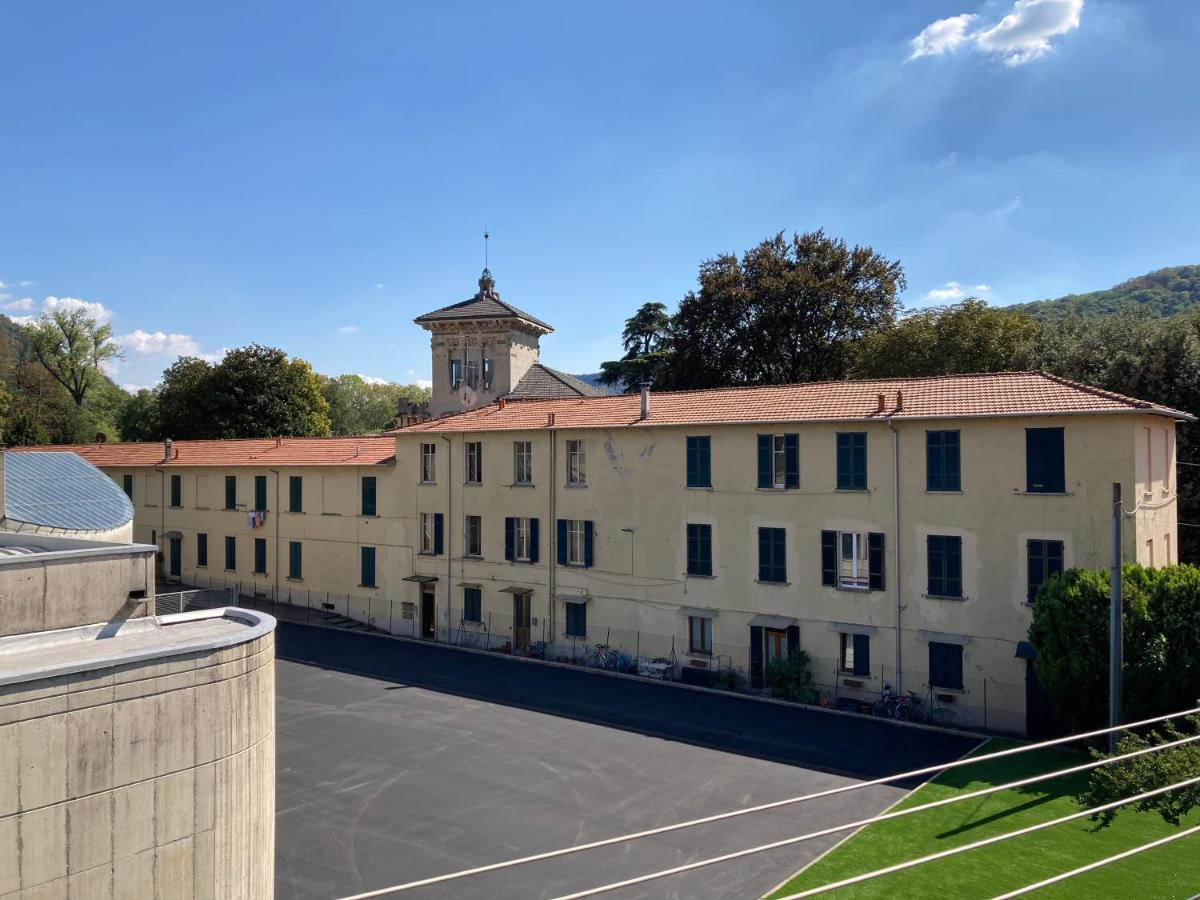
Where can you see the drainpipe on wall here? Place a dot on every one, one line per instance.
(447, 533)
(896, 547)
(275, 472)
(552, 527)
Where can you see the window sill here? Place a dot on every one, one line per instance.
(944, 597)
(699, 487)
(293, 512)
(943, 491)
(841, 490)
(263, 574)
(426, 484)
(370, 516)
(697, 575)
(472, 556)
(372, 587)
(773, 583)
(936, 688)
(472, 484)
(777, 489)
(706, 654)
(853, 589)
(294, 580)
(522, 484)
(576, 637)
(572, 486)
(201, 565)
(1021, 493)
(233, 571)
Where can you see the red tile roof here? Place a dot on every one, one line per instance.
(370, 450)
(943, 397)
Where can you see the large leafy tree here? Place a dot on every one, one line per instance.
(644, 339)
(358, 406)
(72, 346)
(185, 400)
(966, 337)
(789, 310)
(259, 391)
(138, 419)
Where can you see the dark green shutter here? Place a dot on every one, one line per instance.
(933, 460)
(764, 461)
(367, 556)
(438, 540)
(791, 456)
(793, 639)
(533, 540)
(951, 462)
(588, 543)
(260, 492)
(231, 492)
(860, 460)
(756, 656)
(202, 549)
(260, 555)
(1044, 461)
(296, 494)
(829, 558)
(294, 561)
(764, 554)
(510, 538)
(230, 553)
(176, 490)
(1036, 553)
(368, 495)
(875, 561)
(561, 531)
(862, 654)
(844, 462)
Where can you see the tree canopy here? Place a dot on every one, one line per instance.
(1159, 294)
(644, 339)
(358, 406)
(72, 346)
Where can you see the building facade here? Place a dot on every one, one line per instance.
(895, 530)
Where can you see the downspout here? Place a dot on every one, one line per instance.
(552, 525)
(896, 548)
(448, 531)
(275, 563)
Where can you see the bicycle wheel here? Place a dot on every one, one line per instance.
(915, 712)
(880, 708)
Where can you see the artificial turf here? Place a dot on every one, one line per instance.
(1172, 871)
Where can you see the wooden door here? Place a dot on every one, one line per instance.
(428, 622)
(176, 554)
(521, 620)
(776, 644)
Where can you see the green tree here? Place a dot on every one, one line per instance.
(644, 339)
(787, 311)
(966, 337)
(258, 392)
(790, 677)
(1070, 632)
(1144, 773)
(1176, 606)
(72, 346)
(139, 419)
(186, 405)
(357, 406)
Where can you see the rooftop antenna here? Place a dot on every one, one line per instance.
(485, 246)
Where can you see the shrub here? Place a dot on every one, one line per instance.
(790, 678)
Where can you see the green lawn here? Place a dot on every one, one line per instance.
(1168, 872)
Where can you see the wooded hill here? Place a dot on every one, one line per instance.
(1159, 295)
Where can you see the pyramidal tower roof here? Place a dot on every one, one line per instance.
(486, 304)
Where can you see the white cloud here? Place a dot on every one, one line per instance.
(23, 320)
(25, 304)
(379, 286)
(1020, 37)
(952, 291)
(371, 379)
(134, 388)
(97, 311)
(214, 357)
(982, 288)
(153, 343)
(1024, 34)
(941, 36)
(25, 284)
(423, 383)
(347, 329)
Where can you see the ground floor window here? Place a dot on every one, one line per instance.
(260, 556)
(230, 553)
(367, 560)
(295, 567)
(855, 655)
(474, 529)
(576, 620)
(472, 604)
(945, 665)
(699, 634)
(202, 549)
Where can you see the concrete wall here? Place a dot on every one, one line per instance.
(75, 583)
(121, 535)
(513, 351)
(145, 780)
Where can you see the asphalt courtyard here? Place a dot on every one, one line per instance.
(399, 760)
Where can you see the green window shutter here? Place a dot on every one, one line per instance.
(260, 492)
(368, 495)
(791, 453)
(851, 461)
(510, 538)
(699, 470)
(533, 540)
(202, 549)
(231, 553)
(862, 654)
(295, 567)
(860, 461)
(875, 559)
(1044, 461)
(231, 492)
(561, 542)
(933, 460)
(588, 543)
(951, 462)
(438, 542)
(765, 479)
(260, 556)
(296, 494)
(829, 558)
(368, 567)
(176, 490)
(472, 604)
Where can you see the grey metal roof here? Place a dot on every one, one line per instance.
(544, 383)
(62, 490)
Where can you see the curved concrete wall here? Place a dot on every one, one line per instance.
(120, 535)
(149, 779)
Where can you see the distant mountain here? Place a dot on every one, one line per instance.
(594, 381)
(1165, 292)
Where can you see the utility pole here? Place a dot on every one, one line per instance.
(1115, 629)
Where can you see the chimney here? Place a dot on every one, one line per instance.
(168, 449)
(899, 401)
(882, 402)
(550, 420)
(645, 399)
(278, 440)
(499, 403)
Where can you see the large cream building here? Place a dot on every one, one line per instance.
(895, 530)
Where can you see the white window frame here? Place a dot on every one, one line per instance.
(427, 532)
(846, 653)
(522, 544)
(576, 463)
(522, 462)
(474, 462)
(778, 461)
(456, 373)
(706, 637)
(859, 576)
(473, 536)
(428, 463)
(575, 542)
(489, 373)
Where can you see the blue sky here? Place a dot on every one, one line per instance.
(313, 176)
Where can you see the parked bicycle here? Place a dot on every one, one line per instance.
(605, 657)
(907, 708)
